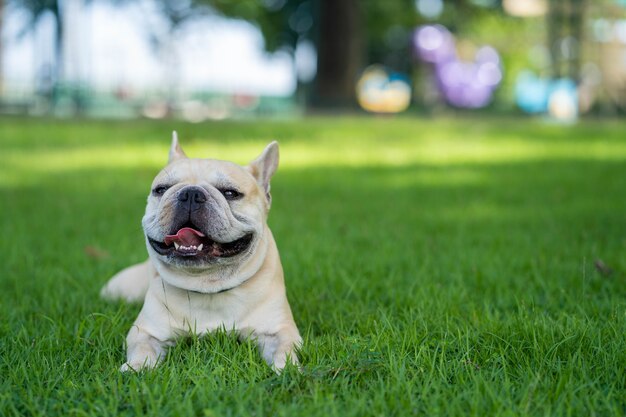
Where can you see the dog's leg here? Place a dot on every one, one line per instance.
(130, 284)
(143, 350)
(279, 348)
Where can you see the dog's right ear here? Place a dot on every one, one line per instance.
(176, 152)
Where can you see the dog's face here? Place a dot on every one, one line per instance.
(206, 214)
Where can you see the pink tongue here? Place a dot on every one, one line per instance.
(185, 237)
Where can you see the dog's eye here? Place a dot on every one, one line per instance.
(231, 194)
(159, 190)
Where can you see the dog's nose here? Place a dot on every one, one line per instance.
(192, 197)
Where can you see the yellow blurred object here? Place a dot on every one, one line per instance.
(378, 91)
(525, 8)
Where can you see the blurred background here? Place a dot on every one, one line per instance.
(216, 59)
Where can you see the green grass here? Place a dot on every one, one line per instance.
(434, 268)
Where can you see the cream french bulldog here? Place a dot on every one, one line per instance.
(213, 262)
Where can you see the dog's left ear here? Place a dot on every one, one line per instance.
(176, 152)
(264, 166)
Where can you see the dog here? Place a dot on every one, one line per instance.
(212, 261)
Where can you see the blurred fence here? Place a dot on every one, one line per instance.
(66, 100)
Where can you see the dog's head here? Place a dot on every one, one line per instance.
(206, 216)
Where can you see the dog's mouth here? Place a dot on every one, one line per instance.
(189, 242)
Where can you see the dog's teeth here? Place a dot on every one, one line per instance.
(188, 248)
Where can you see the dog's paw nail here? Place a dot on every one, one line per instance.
(133, 367)
(126, 367)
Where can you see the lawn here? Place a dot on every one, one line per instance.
(446, 267)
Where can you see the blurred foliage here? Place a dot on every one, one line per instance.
(272, 17)
(36, 10)
(386, 24)
(387, 27)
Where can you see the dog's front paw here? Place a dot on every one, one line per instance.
(126, 367)
(136, 366)
(283, 359)
(141, 363)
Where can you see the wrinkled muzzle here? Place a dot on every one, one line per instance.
(198, 222)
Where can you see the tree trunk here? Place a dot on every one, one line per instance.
(554, 24)
(58, 41)
(565, 20)
(1, 47)
(339, 54)
(577, 32)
